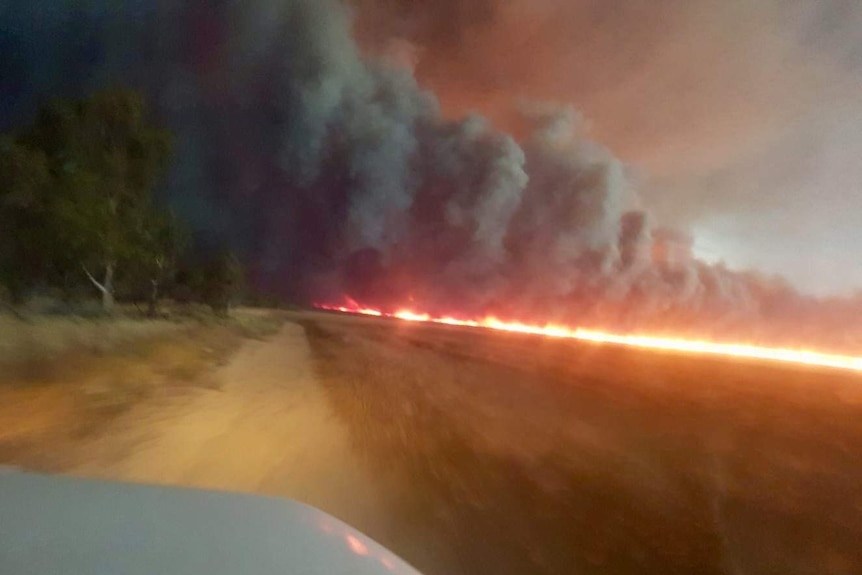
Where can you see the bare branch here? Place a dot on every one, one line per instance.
(92, 279)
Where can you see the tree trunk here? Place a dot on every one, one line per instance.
(154, 299)
(108, 289)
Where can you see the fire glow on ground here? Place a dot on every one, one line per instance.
(735, 350)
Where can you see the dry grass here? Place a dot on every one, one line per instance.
(62, 377)
(524, 455)
(47, 338)
(43, 342)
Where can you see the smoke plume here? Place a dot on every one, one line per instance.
(742, 118)
(334, 174)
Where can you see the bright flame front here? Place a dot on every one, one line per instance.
(799, 356)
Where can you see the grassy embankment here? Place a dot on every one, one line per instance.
(62, 377)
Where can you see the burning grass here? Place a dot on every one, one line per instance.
(677, 344)
(518, 454)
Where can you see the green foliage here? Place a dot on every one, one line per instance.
(76, 197)
(105, 159)
(161, 240)
(24, 216)
(159, 243)
(222, 279)
(25, 175)
(215, 281)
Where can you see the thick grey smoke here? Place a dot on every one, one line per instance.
(742, 117)
(335, 175)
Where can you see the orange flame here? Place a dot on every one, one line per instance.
(739, 350)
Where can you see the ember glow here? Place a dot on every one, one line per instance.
(739, 350)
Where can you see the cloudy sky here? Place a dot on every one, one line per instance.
(741, 120)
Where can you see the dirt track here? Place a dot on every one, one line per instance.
(264, 428)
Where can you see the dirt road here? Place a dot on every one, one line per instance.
(264, 427)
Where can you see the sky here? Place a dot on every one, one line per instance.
(740, 120)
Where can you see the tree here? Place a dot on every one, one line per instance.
(25, 248)
(162, 241)
(104, 158)
(221, 278)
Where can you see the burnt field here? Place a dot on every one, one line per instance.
(503, 453)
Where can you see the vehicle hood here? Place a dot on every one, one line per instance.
(53, 524)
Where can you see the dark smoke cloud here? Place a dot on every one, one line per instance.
(335, 175)
(742, 116)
